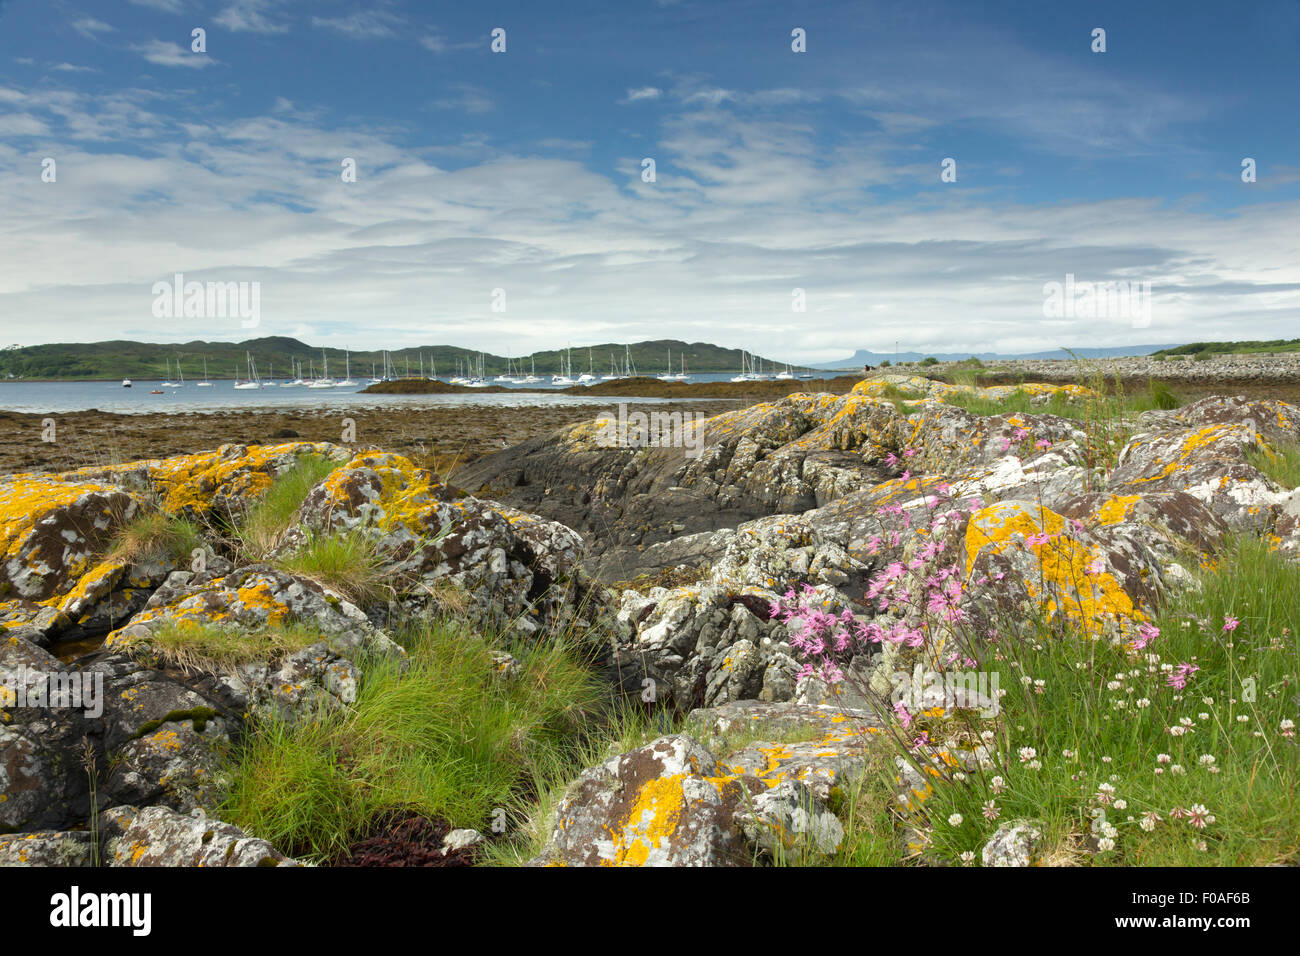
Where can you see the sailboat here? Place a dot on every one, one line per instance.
(509, 378)
(477, 380)
(744, 368)
(252, 380)
(295, 369)
(531, 378)
(347, 371)
(205, 383)
(325, 381)
(668, 375)
(588, 377)
(785, 376)
(566, 375)
(683, 377)
(169, 383)
(614, 371)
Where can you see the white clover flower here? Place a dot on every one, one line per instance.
(1106, 844)
(1163, 758)
(1034, 765)
(1206, 760)
(997, 784)
(1121, 804)
(1177, 770)
(1027, 753)
(1143, 703)
(967, 857)
(955, 820)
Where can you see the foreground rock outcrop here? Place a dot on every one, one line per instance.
(674, 803)
(832, 491)
(128, 675)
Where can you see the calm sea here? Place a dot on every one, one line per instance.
(63, 397)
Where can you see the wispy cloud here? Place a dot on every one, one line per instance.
(251, 16)
(437, 43)
(643, 93)
(165, 53)
(89, 27)
(363, 24)
(465, 97)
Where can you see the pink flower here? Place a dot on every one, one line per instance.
(1034, 540)
(1146, 634)
(1097, 566)
(1043, 443)
(1230, 623)
(1178, 679)
(904, 717)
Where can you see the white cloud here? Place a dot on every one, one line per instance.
(437, 43)
(89, 26)
(165, 53)
(643, 93)
(465, 97)
(250, 16)
(747, 206)
(362, 24)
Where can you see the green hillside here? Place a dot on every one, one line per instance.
(273, 355)
(1234, 348)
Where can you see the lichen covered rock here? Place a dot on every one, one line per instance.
(157, 836)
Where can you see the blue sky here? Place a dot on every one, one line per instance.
(775, 170)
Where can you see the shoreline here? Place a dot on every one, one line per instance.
(440, 437)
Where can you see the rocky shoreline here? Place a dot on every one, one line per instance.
(819, 494)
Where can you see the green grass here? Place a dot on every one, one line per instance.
(271, 515)
(193, 645)
(156, 533)
(445, 738)
(1087, 732)
(1278, 460)
(346, 563)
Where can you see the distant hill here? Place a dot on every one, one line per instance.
(273, 356)
(1234, 348)
(865, 357)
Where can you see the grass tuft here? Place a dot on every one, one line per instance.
(1279, 460)
(346, 563)
(154, 533)
(269, 517)
(448, 737)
